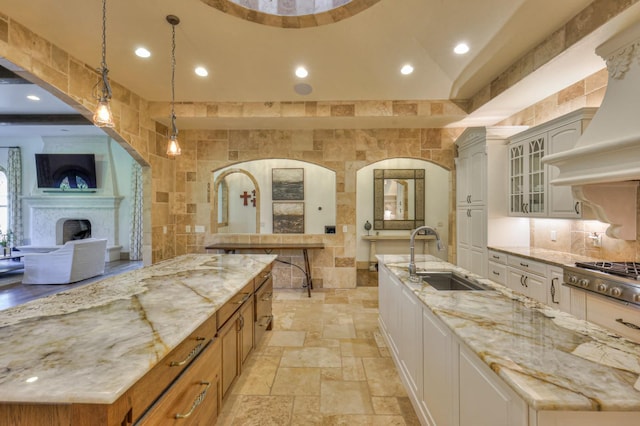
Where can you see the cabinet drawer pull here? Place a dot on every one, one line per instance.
(265, 321)
(266, 297)
(495, 273)
(196, 401)
(525, 282)
(244, 298)
(628, 324)
(553, 291)
(526, 265)
(495, 257)
(195, 351)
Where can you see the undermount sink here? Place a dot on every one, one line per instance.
(448, 281)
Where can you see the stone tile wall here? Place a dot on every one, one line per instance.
(344, 151)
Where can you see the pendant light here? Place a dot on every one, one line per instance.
(173, 147)
(102, 116)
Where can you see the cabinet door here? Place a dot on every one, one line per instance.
(246, 329)
(561, 201)
(536, 177)
(484, 401)
(228, 336)
(536, 287)
(409, 345)
(527, 177)
(439, 395)
(471, 175)
(517, 154)
(472, 239)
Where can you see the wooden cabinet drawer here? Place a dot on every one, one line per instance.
(624, 320)
(228, 309)
(497, 257)
(263, 276)
(194, 398)
(152, 384)
(264, 316)
(528, 265)
(498, 273)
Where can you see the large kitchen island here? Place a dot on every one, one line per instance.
(495, 357)
(152, 346)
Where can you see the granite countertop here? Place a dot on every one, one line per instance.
(553, 360)
(553, 257)
(92, 343)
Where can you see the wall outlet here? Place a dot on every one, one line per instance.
(596, 239)
(345, 228)
(187, 228)
(554, 235)
(199, 229)
(164, 229)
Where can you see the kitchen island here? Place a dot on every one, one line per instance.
(102, 353)
(496, 357)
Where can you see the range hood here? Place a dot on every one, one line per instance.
(604, 167)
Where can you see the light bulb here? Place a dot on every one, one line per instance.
(102, 117)
(173, 147)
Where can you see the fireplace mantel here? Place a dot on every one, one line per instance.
(48, 213)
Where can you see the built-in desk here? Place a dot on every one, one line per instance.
(373, 239)
(269, 247)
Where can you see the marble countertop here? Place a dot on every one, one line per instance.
(553, 360)
(553, 257)
(92, 343)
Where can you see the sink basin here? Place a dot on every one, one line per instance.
(448, 281)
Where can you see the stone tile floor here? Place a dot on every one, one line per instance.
(324, 363)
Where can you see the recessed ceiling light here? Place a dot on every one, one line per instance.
(202, 71)
(461, 48)
(33, 98)
(301, 72)
(406, 69)
(142, 52)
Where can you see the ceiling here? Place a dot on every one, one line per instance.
(357, 58)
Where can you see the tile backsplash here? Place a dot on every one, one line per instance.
(577, 237)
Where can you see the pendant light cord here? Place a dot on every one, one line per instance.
(104, 89)
(174, 130)
(104, 34)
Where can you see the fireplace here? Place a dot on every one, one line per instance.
(48, 214)
(75, 229)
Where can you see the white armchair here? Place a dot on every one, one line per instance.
(76, 260)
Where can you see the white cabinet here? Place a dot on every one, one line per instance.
(472, 239)
(530, 193)
(485, 401)
(411, 336)
(472, 173)
(471, 194)
(439, 364)
(528, 277)
(527, 178)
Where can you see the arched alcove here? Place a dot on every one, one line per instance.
(437, 206)
(313, 195)
(226, 214)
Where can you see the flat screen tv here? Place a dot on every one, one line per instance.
(66, 171)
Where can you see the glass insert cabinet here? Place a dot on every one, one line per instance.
(527, 180)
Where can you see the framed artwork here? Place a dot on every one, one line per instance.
(287, 184)
(288, 218)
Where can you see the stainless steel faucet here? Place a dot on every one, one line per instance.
(412, 262)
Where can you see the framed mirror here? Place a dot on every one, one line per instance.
(398, 199)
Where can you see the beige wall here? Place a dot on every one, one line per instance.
(344, 151)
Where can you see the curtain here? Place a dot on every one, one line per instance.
(14, 183)
(135, 244)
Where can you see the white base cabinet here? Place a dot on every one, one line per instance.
(485, 401)
(447, 383)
